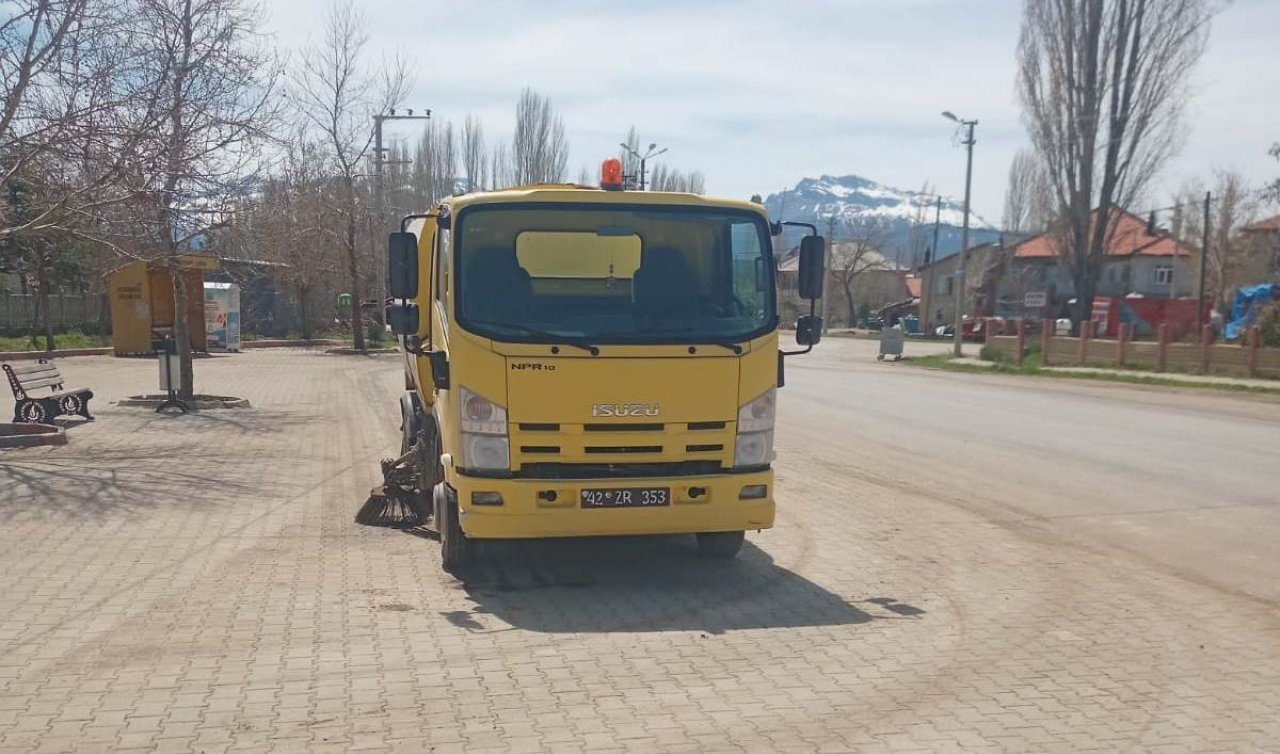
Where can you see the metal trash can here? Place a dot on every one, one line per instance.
(891, 342)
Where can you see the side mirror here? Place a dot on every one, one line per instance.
(403, 318)
(812, 251)
(402, 265)
(809, 330)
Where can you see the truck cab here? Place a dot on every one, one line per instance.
(590, 362)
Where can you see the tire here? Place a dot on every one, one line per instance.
(410, 421)
(455, 548)
(428, 470)
(720, 545)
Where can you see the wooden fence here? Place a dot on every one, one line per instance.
(18, 312)
(1247, 359)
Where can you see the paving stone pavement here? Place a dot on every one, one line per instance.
(197, 584)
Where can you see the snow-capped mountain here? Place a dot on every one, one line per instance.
(857, 202)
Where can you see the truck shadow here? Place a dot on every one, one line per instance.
(640, 584)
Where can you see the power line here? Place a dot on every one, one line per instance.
(1193, 203)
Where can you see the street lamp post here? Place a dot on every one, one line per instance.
(969, 141)
(643, 158)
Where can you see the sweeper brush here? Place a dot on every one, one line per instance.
(396, 502)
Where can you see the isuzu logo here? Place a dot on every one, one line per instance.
(624, 409)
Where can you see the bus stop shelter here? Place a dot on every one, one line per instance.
(142, 302)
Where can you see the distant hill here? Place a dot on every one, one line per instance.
(858, 201)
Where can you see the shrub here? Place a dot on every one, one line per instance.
(1269, 323)
(991, 353)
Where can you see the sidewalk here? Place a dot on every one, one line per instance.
(1197, 379)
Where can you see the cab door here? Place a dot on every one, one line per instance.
(419, 366)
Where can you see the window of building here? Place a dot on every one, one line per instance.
(1162, 275)
(945, 285)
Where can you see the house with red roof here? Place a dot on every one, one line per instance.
(1139, 261)
(1261, 262)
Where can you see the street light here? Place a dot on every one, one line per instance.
(969, 141)
(643, 158)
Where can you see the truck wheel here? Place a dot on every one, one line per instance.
(455, 548)
(410, 421)
(721, 545)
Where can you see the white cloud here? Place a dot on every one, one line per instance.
(759, 93)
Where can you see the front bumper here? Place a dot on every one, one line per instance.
(527, 513)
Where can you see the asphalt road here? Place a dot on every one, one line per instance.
(1186, 479)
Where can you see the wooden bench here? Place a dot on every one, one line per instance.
(30, 409)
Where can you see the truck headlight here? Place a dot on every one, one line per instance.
(754, 443)
(483, 426)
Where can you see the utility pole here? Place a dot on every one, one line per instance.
(379, 207)
(1204, 258)
(826, 271)
(380, 160)
(969, 141)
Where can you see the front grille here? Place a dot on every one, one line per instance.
(618, 470)
(703, 448)
(605, 449)
(539, 427)
(695, 426)
(539, 448)
(636, 427)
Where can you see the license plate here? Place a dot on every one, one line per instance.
(626, 497)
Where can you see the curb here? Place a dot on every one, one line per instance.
(108, 350)
(200, 402)
(247, 344)
(58, 354)
(31, 435)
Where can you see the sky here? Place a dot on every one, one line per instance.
(758, 94)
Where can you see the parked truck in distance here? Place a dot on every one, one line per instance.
(590, 362)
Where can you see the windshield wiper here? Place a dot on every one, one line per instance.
(728, 345)
(550, 336)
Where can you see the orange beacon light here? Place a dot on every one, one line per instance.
(611, 174)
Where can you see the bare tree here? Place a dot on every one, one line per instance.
(1026, 196)
(473, 152)
(291, 222)
(1273, 191)
(1234, 207)
(1103, 86)
(666, 178)
(338, 94)
(435, 163)
(856, 252)
(217, 97)
(79, 100)
(920, 234)
(539, 149)
(444, 160)
(500, 170)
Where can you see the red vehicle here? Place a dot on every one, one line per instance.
(1146, 315)
(975, 330)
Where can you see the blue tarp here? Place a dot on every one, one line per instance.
(1244, 313)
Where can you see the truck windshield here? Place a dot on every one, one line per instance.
(613, 274)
